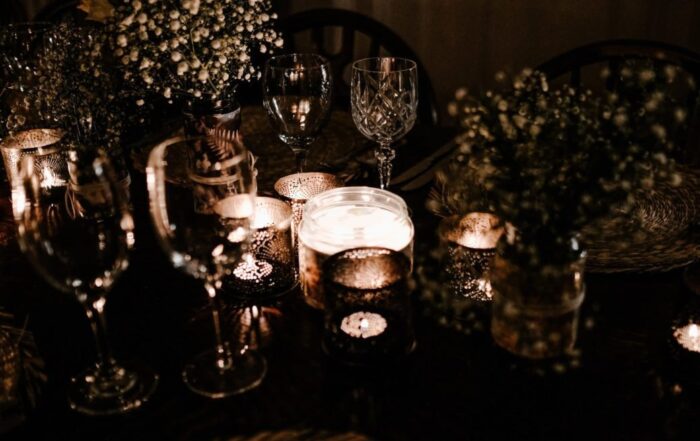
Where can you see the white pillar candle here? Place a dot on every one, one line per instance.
(345, 218)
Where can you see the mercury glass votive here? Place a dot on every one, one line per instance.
(299, 188)
(267, 268)
(470, 244)
(368, 306)
(44, 145)
(346, 218)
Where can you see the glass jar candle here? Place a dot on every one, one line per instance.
(470, 244)
(368, 306)
(346, 218)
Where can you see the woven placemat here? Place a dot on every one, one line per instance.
(662, 232)
(338, 143)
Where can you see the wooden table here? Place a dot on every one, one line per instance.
(456, 385)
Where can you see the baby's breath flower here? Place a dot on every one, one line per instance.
(192, 46)
(551, 160)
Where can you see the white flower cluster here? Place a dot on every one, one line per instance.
(552, 159)
(192, 47)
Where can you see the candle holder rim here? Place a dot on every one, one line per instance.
(279, 184)
(280, 225)
(334, 198)
(15, 143)
(450, 229)
(258, 200)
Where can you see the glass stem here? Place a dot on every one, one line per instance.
(224, 358)
(300, 157)
(384, 154)
(95, 311)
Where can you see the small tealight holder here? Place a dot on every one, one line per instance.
(368, 306)
(267, 268)
(44, 146)
(299, 188)
(470, 242)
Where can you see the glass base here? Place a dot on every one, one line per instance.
(202, 377)
(127, 389)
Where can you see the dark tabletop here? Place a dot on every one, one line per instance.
(621, 385)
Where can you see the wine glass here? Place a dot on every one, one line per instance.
(78, 237)
(384, 99)
(207, 243)
(297, 90)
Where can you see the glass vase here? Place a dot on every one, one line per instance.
(204, 117)
(536, 301)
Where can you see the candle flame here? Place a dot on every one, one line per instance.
(48, 178)
(252, 269)
(689, 337)
(363, 325)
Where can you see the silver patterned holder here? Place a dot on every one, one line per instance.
(368, 306)
(299, 188)
(470, 243)
(44, 145)
(267, 270)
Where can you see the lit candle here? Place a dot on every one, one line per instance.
(688, 337)
(363, 324)
(478, 231)
(266, 269)
(300, 187)
(471, 241)
(345, 218)
(368, 305)
(360, 225)
(49, 179)
(252, 269)
(44, 146)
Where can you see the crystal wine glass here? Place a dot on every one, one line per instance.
(384, 99)
(207, 243)
(78, 237)
(297, 90)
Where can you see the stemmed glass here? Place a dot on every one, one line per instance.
(207, 243)
(78, 237)
(297, 91)
(384, 99)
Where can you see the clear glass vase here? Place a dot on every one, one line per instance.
(536, 301)
(204, 117)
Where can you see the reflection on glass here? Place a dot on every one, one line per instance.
(207, 244)
(78, 238)
(384, 100)
(297, 91)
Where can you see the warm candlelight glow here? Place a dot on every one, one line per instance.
(363, 325)
(357, 225)
(347, 218)
(49, 179)
(300, 110)
(689, 337)
(44, 147)
(477, 230)
(240, 206)
(252, 269)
